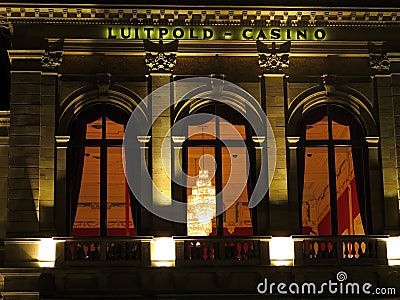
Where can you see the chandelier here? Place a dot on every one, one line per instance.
(201, 206)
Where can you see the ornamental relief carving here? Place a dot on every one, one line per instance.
(160, 58)
(379, 63)
(51, 60)
(274, 60)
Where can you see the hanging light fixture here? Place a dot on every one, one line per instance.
(201, 204)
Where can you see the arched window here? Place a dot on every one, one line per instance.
(205, 138)
(100, 199)
(332, 163)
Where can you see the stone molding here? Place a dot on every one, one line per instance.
(135, 14)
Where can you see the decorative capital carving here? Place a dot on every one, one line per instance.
(160, 58)
(378, 60)
(379, 63)
(51, 60)
(52, 57)
(62, 141)
(274, 60)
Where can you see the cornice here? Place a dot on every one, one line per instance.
(81, 14)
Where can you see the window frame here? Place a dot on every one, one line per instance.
(217, 144)
(104, 144)
(330, 144)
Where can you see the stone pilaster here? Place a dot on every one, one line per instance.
(160, 139)
(23, 187)
(387, 111)
(278, 192)
(161, 59)
(60, 205)
(4, 152)
(46, 152)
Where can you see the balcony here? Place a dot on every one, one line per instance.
(186, 265)
(224, 251)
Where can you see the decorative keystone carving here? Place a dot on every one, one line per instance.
(330, 83)
(160, 58)
(274, 60)
(378, 60)
(103, 83)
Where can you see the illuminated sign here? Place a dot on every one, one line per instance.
(216, 33)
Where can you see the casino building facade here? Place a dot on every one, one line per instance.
(326, 77)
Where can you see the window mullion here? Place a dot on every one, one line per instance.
(332, 177)
(103, 179)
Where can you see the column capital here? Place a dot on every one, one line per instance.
(293, 140)
(378, 59)
(372, 140)
(52, 57)
(275, 59)
(144, 139)
(62, 140)
(160, 58)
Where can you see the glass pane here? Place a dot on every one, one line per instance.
(237, 219)
(204, 131)
(340, 132)
(93, 130)
(318, 131)
(201, 207)
(227, 131)
(114, 130)
(316, 215)
(119, 213)
(349, 217)
(87, 220)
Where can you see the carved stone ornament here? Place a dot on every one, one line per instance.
(330, 82)
(51, 61)
(378, 60)
(379, 63)
(160, 58)
(274, 60)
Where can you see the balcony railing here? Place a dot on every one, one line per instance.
(354, 250)
(224, 251)
(109, 251)
(221, 251)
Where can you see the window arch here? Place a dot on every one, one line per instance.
(205, 138)
(99, 197)
(332, 160)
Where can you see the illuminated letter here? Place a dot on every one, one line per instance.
(148, 32)
(288, 34)
(275, 34)
(260, 285)
(208, 33)
(191, 34)
(261, 35)
(162, 32)
(123, 35)
(301, 34)
(178, 33)
(319, 34)
(110, 33)
(136, 33)
(244, 34)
